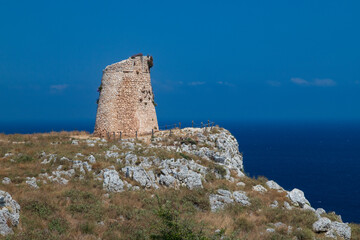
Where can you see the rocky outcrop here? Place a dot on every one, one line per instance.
(224, 197)
(9, 213)
(259, 188)
(338, 229)
(112, 181)
(298, 198)
(322, 225)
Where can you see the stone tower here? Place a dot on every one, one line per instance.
(126, 102)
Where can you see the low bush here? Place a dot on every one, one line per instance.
(171, 227)
(59, 225)
(23, 158)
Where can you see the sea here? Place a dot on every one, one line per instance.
(320, 158)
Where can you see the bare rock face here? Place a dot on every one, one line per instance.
(224, 197)
(322, 225)
(112, 181)
(9, 213)
(126, 103)
(298, 198)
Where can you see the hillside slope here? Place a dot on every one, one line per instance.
(187, 185)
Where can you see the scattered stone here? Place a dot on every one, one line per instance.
(75, 142)
(279, 225)
(8, 154)
(31, 181)
(223, 197)
(322, 225)
(287, 206)
(270, 230)
(240, 184)
(274, 204)
(259, 188)
(110, 154)
(218, 202)
(91, 159)
(114, 148)
(6, 181)
(128, 145)
(79, 155)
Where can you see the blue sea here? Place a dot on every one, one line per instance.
(322, 159)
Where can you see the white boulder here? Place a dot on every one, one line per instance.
(298, 198)
(112, 181)
(322, 225)
(9, 213)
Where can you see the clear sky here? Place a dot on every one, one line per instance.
(230, 60)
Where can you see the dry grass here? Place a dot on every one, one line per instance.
(83, 210)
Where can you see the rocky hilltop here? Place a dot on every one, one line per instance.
(184, 184)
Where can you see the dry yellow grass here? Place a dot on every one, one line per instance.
(83, 210)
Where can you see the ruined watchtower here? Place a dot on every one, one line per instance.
(126, 102)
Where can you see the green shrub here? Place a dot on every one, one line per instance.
(42, 209)
(84, 203)
(198, 198)
(23, 158)
(59, 225)
(171, 227)
(87, 228)
(185, 156)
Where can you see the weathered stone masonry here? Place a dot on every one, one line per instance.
(126, 103)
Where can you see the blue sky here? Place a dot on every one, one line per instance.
(224, 60)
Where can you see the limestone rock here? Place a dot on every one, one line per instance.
(339, 229)
(112, 181)
(279, 225)
(322, 225)
(218, 202)
(274, 204)
(9, 213)
(6, 181)
(298, 198)
(91, 159)
(240, 184)
(240, 197)
(287, 206)
(307, 207)
(31, 181)
(259, 188)
(111, 154)
(320, 211)
(273, 185)
(167, 180)
(223, 197)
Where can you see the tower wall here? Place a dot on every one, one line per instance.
(126, 103)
